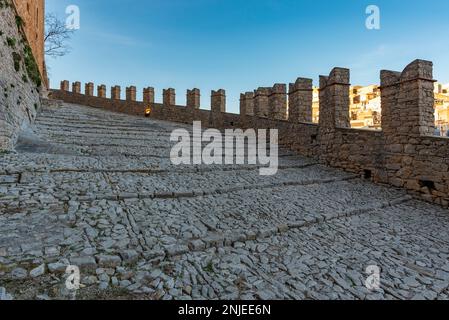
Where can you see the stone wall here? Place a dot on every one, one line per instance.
(300, 99)
(404, 154)
(415, 159)
(20, 80)
(32, 13)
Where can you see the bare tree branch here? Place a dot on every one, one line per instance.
(56, 37)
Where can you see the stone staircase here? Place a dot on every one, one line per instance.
(97, 189)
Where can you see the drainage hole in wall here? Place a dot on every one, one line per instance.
(367, 174)
(427, 184)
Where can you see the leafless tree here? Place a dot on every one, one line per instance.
(56, 37)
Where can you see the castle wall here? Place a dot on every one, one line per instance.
(33, 16)
(404, 154)
(20, 80)
(300, 99)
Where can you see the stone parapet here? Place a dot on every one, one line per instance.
(131, 93)
(116, 93)
(277, 101)
(76, 87)
(148, 95)
(218, 101)
(261, 102)
(247, 104)
(65, 85)
(169, 97)
(193, 98)
(101, 91)
(404, 154)
(89, 89)
(300, 101)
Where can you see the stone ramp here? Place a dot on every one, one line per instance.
(28, 142)
(97, 189)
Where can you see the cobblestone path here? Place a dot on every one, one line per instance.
(97, 190)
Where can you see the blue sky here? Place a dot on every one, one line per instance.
(239, 45)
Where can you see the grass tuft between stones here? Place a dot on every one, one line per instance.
(19, 22)
(11, 42)
(31, 66)
(209, 268)
(16, 59)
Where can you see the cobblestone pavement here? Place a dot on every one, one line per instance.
(97, 190)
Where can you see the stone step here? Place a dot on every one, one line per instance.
(41, 162)
(177, 181)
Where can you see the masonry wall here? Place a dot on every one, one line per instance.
(33, 16)
(415, 159)
(20, 81)
(404, 154)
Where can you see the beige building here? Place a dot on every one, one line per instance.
(442, 108)
(316, 105)
(366, 108)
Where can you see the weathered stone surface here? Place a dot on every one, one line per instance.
(33, 24)
(19, 96)
(301, 234)
(57, 267)
(37, 272)
(404, 154)
(4, 296)
(129, 256)
(106, 261)
(86, 262)
(19, 273)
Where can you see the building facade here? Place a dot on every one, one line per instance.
(366, 110)
(442, 109)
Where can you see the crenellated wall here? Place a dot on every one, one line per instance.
(404, 154)
(300, 97)
(415, 159)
